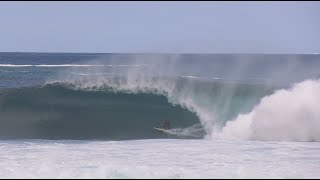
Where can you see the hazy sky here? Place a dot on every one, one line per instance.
(174, 27)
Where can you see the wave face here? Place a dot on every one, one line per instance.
(58, 112)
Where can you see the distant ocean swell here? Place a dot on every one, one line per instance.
(70, 65)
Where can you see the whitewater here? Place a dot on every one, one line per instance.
(92, 116)
(158, 159)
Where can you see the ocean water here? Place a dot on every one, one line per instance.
(71, 115)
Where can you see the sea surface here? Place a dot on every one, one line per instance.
(81, 115)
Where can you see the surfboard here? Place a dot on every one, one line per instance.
(160, 129)
(175, 133)
(167, 131)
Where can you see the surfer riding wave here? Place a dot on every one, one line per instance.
(165, 125)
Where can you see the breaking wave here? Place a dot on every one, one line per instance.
(287, 115)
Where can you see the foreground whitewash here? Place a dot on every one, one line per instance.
(159, 159)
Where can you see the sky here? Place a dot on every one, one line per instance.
(160, 27)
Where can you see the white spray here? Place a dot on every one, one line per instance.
(286, 115)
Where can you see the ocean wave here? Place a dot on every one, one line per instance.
(232, 111)
(212, 102)
(101, 107)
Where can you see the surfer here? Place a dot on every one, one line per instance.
(166, 124)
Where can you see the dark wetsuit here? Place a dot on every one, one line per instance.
(166, 125)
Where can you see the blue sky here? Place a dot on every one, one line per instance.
(171, 27)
